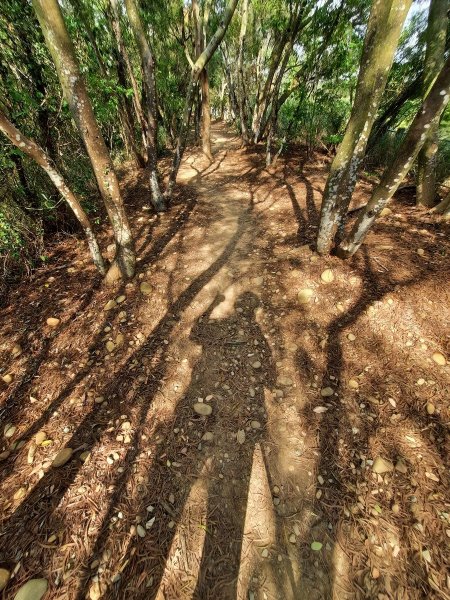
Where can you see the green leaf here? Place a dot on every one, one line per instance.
(316, 546)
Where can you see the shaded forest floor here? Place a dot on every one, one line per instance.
(273, 494)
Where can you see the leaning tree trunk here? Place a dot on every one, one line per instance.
(434, 58)
(148, 75)
(427, 117)
(35, 152)
(63, 54)
(197, 68)
(383, 31)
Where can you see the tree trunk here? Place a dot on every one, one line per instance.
(200, 22)
(240, 87)
(30, 148)
(126, 59)
(63, 54)
(427, 117)
(383, 31)
(148, 77)
(434, 58)
(199, 65)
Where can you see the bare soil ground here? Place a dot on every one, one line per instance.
(272, 495)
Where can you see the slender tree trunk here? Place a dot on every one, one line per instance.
(427, 117)
(434, 59)
(383, 31)
(148, 76)
(200, 22)
(63, 54)
(199, 65)
(240, 88)
(126, 59)
(31, 149)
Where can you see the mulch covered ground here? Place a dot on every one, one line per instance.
(255, 422)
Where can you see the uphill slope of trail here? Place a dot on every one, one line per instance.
(245, 419)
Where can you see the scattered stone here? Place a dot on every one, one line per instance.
(284, 380)
(327, 276)
(431, 409)
(52, 322)
(140, 531)
(4, 455)
(32, 590)
(351, 337)
(31, 453)
(110, 345)
(320, 409)
(110, 305)
(432, 476)
(265, 553)
(95, 592)
(16, 350)
(293, 538)
(9, 430)
(395, 509)
(120, 299)
(120, 340)
(85, 455)
(62, 457)
(375, 573)
(126, 426)
(382, 465)
(4, 578)
(427, 556)
(8, 378)
(256, 364)
(353, 384)
(208, 436)
(240, 436)
(439, 359)
(326, 392)
(385, 212)
(146, 288)
(20, 493)
(202, 409)
(401, 466)
(305, 295)
(420, 251)
(255, 425)
(40, 437)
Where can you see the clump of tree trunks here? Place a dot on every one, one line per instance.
(111, 81)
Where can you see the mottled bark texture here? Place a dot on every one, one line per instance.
(200, 22)
(427, 117)
(434, 59)
(36, 153)
(74, 89)
(148, 78)
(199, 65)
(240, 79)
(383, 31)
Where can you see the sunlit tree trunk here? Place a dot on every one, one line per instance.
(200, 23)
(383, 31)
(428, 116)
(199, 64)
(148, 75)
(240, 87)
(63, 54)
(35, 152)
(434, 58)
(115, 18)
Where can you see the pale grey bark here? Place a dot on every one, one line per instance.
(35, 152)
(427, 117)
(383, 31)
(199, 64)
(434, 59)
(148, 76)
(74, 89)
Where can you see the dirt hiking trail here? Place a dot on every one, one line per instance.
(248, 420)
